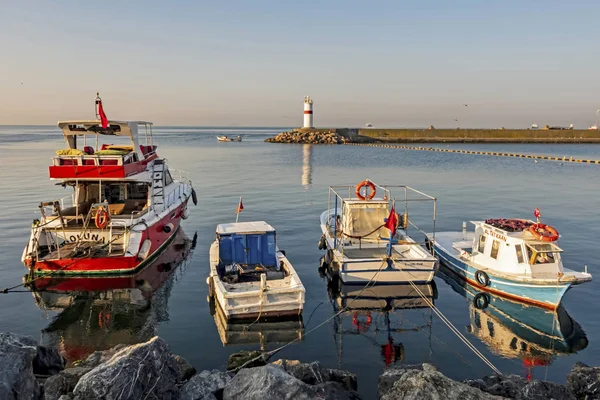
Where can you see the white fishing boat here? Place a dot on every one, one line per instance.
(514, 258)
(367, 241)
(249, 276)
(229, 139)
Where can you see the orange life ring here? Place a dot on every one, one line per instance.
(360, 325)
(543, 232)
(101, 218)
(363, 184)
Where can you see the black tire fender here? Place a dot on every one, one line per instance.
(482, 278)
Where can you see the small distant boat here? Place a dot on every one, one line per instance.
(366, 241)
(514, 258)
(229, 139)
(250, 278)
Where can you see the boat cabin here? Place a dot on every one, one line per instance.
(94, 152)
(364, 219)
(513, 250)
(247, 249)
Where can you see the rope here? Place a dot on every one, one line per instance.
(452, 328)
(265, 356)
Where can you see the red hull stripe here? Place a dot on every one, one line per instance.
(307, 111)
(513, 297)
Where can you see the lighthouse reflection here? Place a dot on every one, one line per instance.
(517, 331)
(97, 313)
(306, 165)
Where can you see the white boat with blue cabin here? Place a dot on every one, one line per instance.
(514, 258)
(250, 278)
(362, 247)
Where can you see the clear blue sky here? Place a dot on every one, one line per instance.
(391, 63)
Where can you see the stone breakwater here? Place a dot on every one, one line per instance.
(150, 371)
(309, 137)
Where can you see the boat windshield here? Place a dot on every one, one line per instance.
(542, 253)
(366, 220)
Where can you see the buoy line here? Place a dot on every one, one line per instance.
(477, 152)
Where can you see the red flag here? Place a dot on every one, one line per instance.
(391, 222)
(103, 119)
(240, 207)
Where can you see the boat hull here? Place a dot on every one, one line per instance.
(361, 272)
(124, 264)
(542, 295)
(245, 301)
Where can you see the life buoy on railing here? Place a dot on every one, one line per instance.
(362, 326)
(543, 232)
(101, 218)
(367, 196)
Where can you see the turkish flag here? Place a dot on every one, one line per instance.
(391, 222)
(103, 118)
(240, 207)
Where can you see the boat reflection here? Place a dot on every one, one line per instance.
(374, 312)
(97, 313)
(260, 332)
(518, 331)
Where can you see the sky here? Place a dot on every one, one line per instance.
(250, 63)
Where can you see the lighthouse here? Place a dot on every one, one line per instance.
(308, 112)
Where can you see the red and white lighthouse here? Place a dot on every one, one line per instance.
(308, 112)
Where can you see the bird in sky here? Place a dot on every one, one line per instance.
(456, 119)
(465, 105)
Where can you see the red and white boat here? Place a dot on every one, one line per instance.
(126, 204)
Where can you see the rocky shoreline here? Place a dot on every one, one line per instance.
(309, 137)
(150, 371)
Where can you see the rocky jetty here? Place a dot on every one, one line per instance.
(150, 371)
(309, 137)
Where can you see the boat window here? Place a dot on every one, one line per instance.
(168, 178)
(542, 253)
(481, 246)
(495, 248)
(519, 251)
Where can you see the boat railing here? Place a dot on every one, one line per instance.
(122, 225)
(94, 159)
(180, 190)
(181, 176)
(49, 208)
(337, 201)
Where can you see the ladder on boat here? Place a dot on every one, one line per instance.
(158, 186)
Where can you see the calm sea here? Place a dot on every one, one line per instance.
(287, 186)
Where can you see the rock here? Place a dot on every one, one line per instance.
(334, 391)
(253, 358)
(184, 368)
(48, 361)
(63, 383)
(584, 381)
(517, 387)
(308, 137)
(313, 373)
(428, 383)
(391, 375)
(267, 382)
(66, 397)
(99, 357)
(144, 370)
(207, 385)
(17, 380)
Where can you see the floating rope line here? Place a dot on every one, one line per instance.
(451, 326)
(484, 153)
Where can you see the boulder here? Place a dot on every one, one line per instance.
(17, 380)
(100, 356)
(239, 359)
(144, 370)
(334, 391)
(313, 373)
(427, 383)
(207, 385)
(48, 361)
(63, 383)
(184, 368)
(267, 382)
(391, 375)
(584, 381)
(517, 387)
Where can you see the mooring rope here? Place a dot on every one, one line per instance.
(451, 326)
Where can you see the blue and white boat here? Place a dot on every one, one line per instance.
(514, 258)
(250, 278)
(363, 246)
